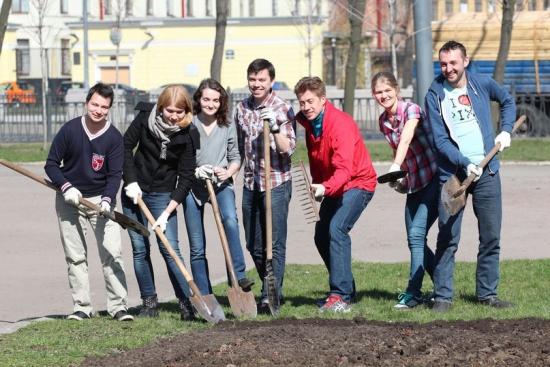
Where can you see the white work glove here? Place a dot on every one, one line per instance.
(473, 169)
(71, 196)
(395, 167)
(162, 221)
(205, 171)
(268, 114)
(105, 206)
(504, 139)
(133, 191)
(318, 191)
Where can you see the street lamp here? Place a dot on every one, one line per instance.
(333, 45)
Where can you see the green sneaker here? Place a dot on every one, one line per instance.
(408, 301)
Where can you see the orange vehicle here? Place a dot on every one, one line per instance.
(17, 92)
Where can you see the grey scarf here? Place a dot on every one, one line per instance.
(161, 130)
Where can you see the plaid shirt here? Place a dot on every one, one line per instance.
(251, 141)
(420, 159)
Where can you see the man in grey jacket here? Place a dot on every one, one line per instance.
(458, 108)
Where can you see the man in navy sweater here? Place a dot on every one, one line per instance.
(85, 160)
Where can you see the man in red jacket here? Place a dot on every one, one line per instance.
(343, 179)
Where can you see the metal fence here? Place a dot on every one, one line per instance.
(23, 122)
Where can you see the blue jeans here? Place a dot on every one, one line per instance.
(194, 221)
(420, 215)
(338, 216)
(254, 228)
(487, 204)
(156, 203)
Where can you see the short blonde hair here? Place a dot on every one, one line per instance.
(178, 96)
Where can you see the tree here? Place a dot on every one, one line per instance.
(41, 32)
(222, 10)
(310, 19)
(357, 12)
(506, 28)
(4, 12)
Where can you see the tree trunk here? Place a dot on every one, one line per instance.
(505, 40)
(357, 8)
(219, 43)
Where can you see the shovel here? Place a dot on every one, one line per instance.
(453, 193)
(391, 176)
(241, 302)
(124, 221)
(207, 306)
(270, 279)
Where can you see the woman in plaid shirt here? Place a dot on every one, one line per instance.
(409, 134)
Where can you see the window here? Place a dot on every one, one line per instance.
(150, 9)
(491, 6)
(20, 6)
(170, 8)
(129, 7)
(65, 58)
(107, 7)
(251, 10)
(275, 8)
(478, 8)
(435, 10)
(23, 57)
(449, 6)
(519, 5)
(64, 6)
(208, 8)
(189, 6)
(296, 10)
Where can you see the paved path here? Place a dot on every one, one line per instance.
(33, 279)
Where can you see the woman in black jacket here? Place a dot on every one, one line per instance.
(161, 171)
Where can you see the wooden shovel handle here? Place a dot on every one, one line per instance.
(169, 247)
(267, 171)
(49, 184)
(490, 155)
(221, 231)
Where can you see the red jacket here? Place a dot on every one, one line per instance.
(338, 158)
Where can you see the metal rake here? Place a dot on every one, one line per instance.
(303, 187)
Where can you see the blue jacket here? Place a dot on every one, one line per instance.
(482, 90)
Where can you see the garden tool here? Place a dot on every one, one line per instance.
(241, 302)
(207, 306)
(124, 221)
(308, 204)
(391, 176)
(270, 279)
(453, 193)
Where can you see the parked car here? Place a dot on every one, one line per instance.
(128, 90)
(280, 86)
(64, 87)
(17, 92)
(155, 92)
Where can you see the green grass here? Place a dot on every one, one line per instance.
(380, 151)
(65, 343)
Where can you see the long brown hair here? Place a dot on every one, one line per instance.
(178, 96)
(223, 110)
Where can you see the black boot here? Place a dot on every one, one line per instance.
(149, 307)
(187, 311)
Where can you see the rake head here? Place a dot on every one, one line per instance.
(303, 188)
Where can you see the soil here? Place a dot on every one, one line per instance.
(329, 342)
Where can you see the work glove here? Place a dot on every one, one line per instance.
(504, 139)
(105, 206)
(268, 114)
(133, 191)
(71, 196)
(162, 221)
(473, 169)
(393, 184)
(318, 191)
(205, 171)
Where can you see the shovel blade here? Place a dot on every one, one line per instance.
(130, 224)
(272, 288)
(452, 203)
(242, 303)
(208, 307)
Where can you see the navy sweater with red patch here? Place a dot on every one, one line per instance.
(93, 166)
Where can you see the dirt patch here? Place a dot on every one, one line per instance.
(324, 342)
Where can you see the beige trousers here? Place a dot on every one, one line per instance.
(73, 227)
